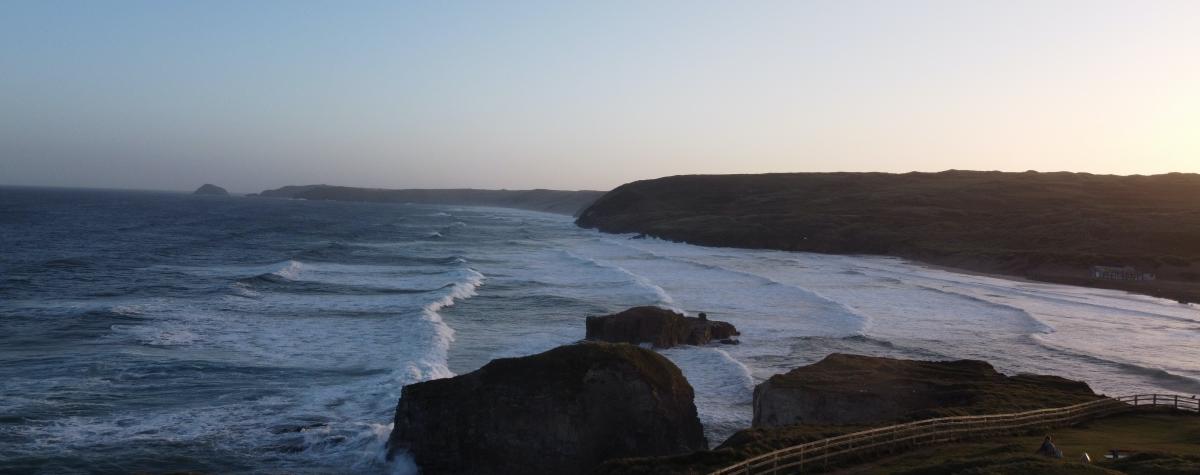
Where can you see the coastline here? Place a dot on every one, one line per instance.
(1176, 291)
(968, 271)
(1045, 227)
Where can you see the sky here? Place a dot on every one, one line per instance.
(587, 95)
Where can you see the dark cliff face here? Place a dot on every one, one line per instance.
(1048, 226)
(864, 390)
(209, 189)
(658, 326)
(563, 411)
(549, 201)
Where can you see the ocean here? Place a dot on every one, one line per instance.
(152, 331)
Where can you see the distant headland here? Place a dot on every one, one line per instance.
(549, 201)
(1134, 233)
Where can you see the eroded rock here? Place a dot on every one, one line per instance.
(562, 411)
(660, 327)
(865, 390)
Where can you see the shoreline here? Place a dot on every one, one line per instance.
(1045, 227)
(965, 271)
(1182, 296)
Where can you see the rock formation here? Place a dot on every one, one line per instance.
(864, 390)
(658, 326)
(210, 189)
(562, 411)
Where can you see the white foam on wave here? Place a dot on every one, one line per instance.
(1111, 330)
(291, 270)
(826, 316)
(662, 298)
(434, 365)
(242, 289)
(395, 277)
(366, 445)
(1035, 325)
(1161, 376)
(354, 413)
(163, 325)
(723, 386)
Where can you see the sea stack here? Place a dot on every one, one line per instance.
(866, 390)
(659, 327)
(210, 189)
(566, 410)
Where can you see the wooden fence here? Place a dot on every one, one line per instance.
(945, 429)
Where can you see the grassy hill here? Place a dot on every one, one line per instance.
(1160, 443)
(1044, 226)
(1163, 443)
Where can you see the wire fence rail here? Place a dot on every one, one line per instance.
(945, 429)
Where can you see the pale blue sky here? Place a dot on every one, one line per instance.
(252, 95)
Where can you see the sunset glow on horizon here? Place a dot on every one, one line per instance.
(588, 95)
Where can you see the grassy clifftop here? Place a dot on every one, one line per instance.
(1045, 226)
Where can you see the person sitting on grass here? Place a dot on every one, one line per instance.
(1048, 449)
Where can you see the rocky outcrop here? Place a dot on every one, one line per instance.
(562, 411)
(660, 327)
(864, 390)
(210, 189)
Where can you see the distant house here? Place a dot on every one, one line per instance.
(1119, 273)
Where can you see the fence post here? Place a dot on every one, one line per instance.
(825, 452)
(1154, 401)
(1176, 402)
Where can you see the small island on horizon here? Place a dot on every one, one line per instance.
(210, 189)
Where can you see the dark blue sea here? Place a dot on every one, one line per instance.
(158, 332)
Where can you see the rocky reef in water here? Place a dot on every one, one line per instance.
(210, 189)
(660, 327)
(566, 410)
